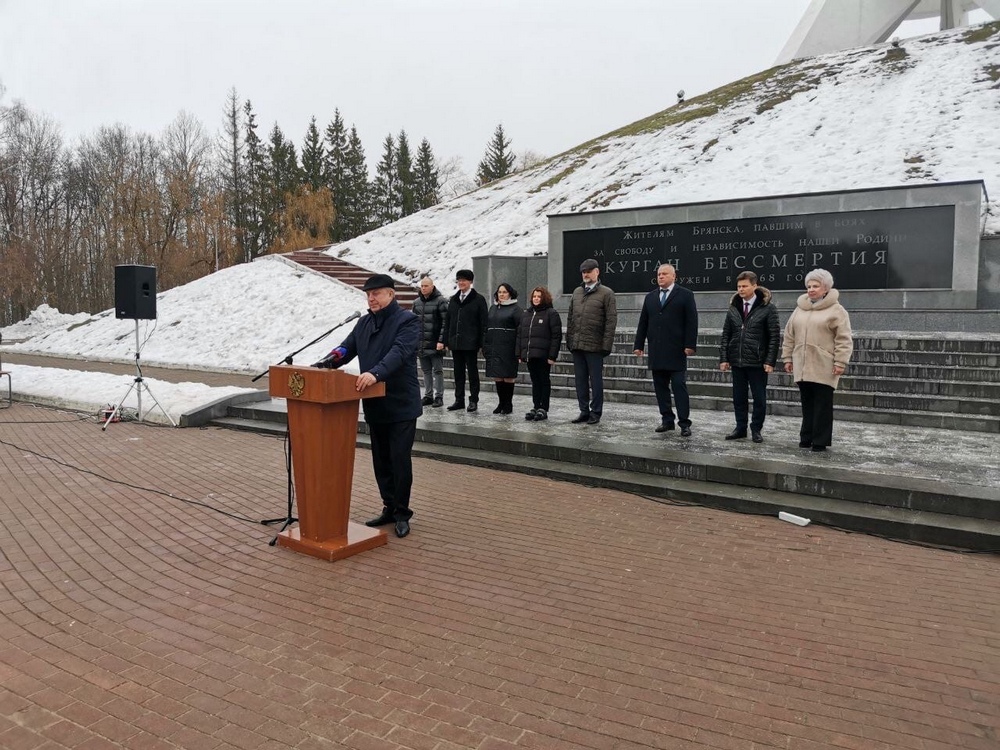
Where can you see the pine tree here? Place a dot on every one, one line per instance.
(405, 176)
(313, 158)
(256, 183)
(233, 173)
(498, 160)
(357, 199)
(428, 188)
(336, 171)
(284, 176)
(385, 191)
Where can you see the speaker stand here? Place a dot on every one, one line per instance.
(139, 385)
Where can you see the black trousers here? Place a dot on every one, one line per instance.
(817, 413)
(541, 382)
(754, 381)
(676, 380)
(465, 362)
(392, 446)
(588, 375)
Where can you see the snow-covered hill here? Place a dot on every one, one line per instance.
(875, 117)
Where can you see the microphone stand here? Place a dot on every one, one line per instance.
(288, 360)
(288, 519)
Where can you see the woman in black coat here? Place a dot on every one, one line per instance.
(501, 339)
(539, 337)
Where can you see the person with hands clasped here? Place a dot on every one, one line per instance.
(590, 336)
(818, 345)
(749, 347)
(539, 336)
(669, 321)
(385, 342)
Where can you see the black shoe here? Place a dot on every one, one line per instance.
(530, 416)
(818, 448)
(665, 427)
(384, 520)
(738, 434)
(594, 418)
(805, 444)
(685, 432)
(541, 415)
(499, 409)
(426, 401)
(473, 406)
(456, 406)
(584, 417)
(756, 436)
(437, 402)
(402, 528)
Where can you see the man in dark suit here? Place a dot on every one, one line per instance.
(385, 342)
(669, 321)
(467, 315)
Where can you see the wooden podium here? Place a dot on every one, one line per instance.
(323, 428)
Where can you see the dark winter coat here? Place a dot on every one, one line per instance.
(752, 342)
(593, 317)
(467, 322)
(669, 330)
(539, 334)
(385, 344)
(433, 314)
(501, 340)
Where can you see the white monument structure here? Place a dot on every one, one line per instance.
(831, 25)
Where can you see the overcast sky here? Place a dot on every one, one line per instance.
(555, 72)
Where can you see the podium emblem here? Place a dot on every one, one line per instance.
(296, 384)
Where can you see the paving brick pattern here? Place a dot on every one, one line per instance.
(520, 613)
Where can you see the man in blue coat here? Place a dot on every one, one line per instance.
(669, 321)
(385, 342)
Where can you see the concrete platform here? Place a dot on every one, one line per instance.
(938, 486)
(521, 612)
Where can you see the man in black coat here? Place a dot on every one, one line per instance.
(385, 342)
(749, 347)
(669, 320)
(467, 316)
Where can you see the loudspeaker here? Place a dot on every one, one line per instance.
(135, 292)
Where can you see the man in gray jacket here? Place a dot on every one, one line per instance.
(590, 335)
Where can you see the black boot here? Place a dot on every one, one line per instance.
(508, 407)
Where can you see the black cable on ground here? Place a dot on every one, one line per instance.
(74, 467)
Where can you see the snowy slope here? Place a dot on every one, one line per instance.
(875, 117)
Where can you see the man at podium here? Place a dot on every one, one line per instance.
(385, 342)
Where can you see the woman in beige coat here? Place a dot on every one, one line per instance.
(817, 348)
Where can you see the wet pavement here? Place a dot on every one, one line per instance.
(141, 607)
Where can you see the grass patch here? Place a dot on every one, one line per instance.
(709, 145)
(918, 159)
(993, 72)
(578, 161)
(80, 325)
(982, 33)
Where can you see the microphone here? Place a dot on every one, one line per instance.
(332, 360)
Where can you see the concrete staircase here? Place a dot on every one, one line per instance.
(348, 273)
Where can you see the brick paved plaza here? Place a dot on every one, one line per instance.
(521, 612)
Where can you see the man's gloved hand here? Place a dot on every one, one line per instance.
(332, 360)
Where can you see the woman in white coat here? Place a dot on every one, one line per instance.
(816, 349)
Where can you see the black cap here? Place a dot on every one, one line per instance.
(589, 265)
(465, 273)
(379, 281)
